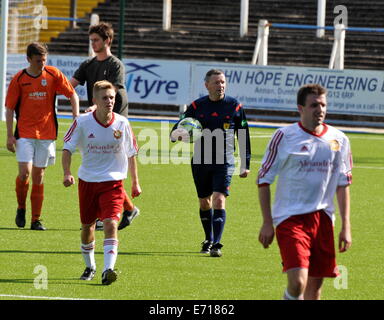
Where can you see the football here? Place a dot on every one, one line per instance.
(188, 130)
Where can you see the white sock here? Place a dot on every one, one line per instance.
(110, 253)
(88, 253)
(287, 296)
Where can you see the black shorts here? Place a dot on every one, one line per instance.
(212, 178)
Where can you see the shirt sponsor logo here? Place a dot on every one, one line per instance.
(334, 144)
(103, 149)
(319, 166)
(37, 95)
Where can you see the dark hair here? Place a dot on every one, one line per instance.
(308, 89)
(211, 73)
(37, 48)
(103, 29)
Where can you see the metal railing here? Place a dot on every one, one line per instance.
(260, 54)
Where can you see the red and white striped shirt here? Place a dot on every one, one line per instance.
(105, 149)
(310, 168)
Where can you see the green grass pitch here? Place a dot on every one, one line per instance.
(158, 254)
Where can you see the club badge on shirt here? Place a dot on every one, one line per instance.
(117, 134)
(226, 125)
(44, 82)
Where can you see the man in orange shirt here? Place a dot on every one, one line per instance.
(31, 97)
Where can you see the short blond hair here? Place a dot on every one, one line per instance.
(102, 85)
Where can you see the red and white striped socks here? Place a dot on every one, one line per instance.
(110, 253)
(88, 253)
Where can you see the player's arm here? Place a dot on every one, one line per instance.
(11, 140)
(244, 141)
(343, 199)
(343, 196)
(74, 82)
(268, 171)
(132, 165)
(267, 231)
(74, 99)
(65, 87)
(71, 140)
(66, 160)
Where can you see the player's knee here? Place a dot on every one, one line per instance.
(110, 228)
(205, 203)
(38, 175)
(297, 287)
(219, 201)
(24, 175)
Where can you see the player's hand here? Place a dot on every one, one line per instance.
(345, 240)
(11, 144)
(68, 180)
(180, 134)
(266, 235)
(244, 173)
(136, 190)
(91, 108)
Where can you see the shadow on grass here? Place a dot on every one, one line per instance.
(28, 229)
(50, 280)
(165, 254)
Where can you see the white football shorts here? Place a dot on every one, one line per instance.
(41, 153)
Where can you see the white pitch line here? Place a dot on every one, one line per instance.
(364, 167)
(40, 297)
(354, 167)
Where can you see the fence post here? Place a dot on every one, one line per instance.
(337, 57)
(3, 56)
(94, 20)
(321, 6)
(73, 13)
(13, 30)
(260, 54)
(121, 29)
(244, 13)
(167, 14)
(182, 108)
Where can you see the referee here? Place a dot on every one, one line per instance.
(213, 164)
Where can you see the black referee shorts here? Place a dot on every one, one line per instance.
(211, 178)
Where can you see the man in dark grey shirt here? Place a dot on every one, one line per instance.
(111, 69)
(104, 66)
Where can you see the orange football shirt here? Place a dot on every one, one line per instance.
(33, 99)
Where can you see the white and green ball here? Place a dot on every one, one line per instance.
(192, 126)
